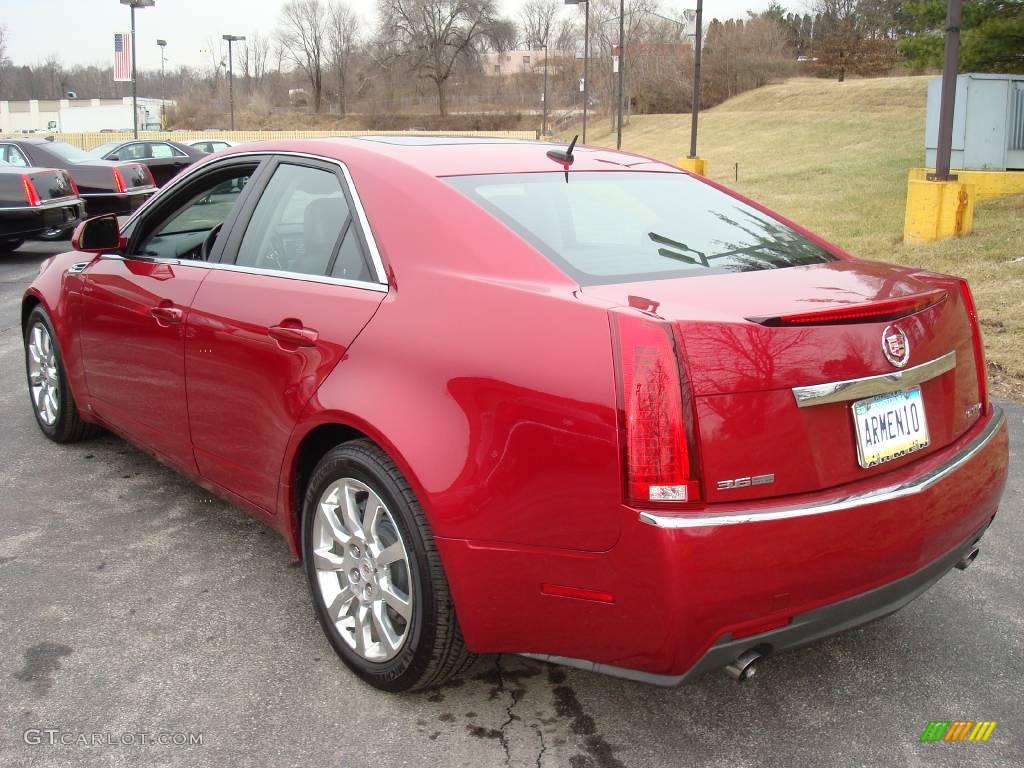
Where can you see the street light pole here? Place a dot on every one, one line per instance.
(949, 70)
(163, 85)
(231, 73)
(696, 80)
(586, 59)
(622, 69)
(133, 4)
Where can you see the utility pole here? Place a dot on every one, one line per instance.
(696, 79)
(544, 129)
(953, 16)
(622, 69)
(133, 4)
(163, 86)
(231, 73)
(586, 59)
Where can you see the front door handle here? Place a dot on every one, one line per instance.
(166, 313)
(300, 336)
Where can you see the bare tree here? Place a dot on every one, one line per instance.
(436, 33)
(342, 40)
(535, 21)
(303, 38)
(255, 54)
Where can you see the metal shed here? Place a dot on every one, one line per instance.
(988, 122)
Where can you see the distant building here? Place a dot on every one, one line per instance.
(77, 115)
(519, 62)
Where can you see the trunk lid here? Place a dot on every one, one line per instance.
(742, 373)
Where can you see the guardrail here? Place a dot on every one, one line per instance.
(90, 140)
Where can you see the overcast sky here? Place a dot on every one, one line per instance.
(81, 31)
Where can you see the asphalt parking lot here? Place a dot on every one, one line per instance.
(133, 603)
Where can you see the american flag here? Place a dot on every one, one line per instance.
(122, 57)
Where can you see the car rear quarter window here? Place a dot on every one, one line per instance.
(624, 226)
(298, 223)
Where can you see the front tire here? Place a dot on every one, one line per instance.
(52, 402)
(376, 579)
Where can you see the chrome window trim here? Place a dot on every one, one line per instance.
(60, 202)
(324, 279)
(889, 493)
(364, 222)
(854, 389)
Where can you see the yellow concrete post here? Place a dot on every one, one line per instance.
(696, 165)
(937, 210)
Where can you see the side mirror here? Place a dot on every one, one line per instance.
(99, 234)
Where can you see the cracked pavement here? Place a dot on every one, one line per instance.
(132, 602)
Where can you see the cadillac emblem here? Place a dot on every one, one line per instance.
(895, 346)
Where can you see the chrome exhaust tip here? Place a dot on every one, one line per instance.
(969, 558)
(744, 667)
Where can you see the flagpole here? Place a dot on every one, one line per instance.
(135, 83)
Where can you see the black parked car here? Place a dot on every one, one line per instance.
(165, 159)
(35, 203)
(106, 187)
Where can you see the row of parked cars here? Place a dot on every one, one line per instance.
(47, 187)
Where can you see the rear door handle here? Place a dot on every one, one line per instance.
(167, 314)
(299, 336)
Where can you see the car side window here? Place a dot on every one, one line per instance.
(13, 155)
(135, 151)
(350, 263)
(298, 224)
(191, 230)
(162, 151)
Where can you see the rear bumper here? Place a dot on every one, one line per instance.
(803, 628)
(31, 221)
(691, 591)
(120, 203)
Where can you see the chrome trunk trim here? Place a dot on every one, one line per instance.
(854, 389)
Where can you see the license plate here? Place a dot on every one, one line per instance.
(890, 426)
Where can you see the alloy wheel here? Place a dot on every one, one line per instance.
(362, 570)
(43, 375)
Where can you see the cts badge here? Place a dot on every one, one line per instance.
(745, 482)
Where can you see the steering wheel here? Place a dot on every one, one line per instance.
(208, 242)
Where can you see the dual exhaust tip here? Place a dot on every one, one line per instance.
(746, 664)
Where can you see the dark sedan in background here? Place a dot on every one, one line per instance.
(165, 159)
(36, 203)
(106, 186)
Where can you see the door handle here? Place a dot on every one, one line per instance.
(167, 314)
(299, 336)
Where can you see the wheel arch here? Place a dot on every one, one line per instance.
(310, 442)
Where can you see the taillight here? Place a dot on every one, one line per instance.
(979, 345)
(658, 460)
(873, 312)
(149, 175)
(31, 195)
(71, 181)
(119, 180)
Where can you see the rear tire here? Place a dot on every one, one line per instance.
(376, 579)
(52, 402)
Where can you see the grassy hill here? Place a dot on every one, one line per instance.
(834, 156)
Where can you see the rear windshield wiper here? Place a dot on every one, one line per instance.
(701, 259)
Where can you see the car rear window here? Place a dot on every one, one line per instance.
(623, 226)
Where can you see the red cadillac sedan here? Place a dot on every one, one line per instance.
(498, 397)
